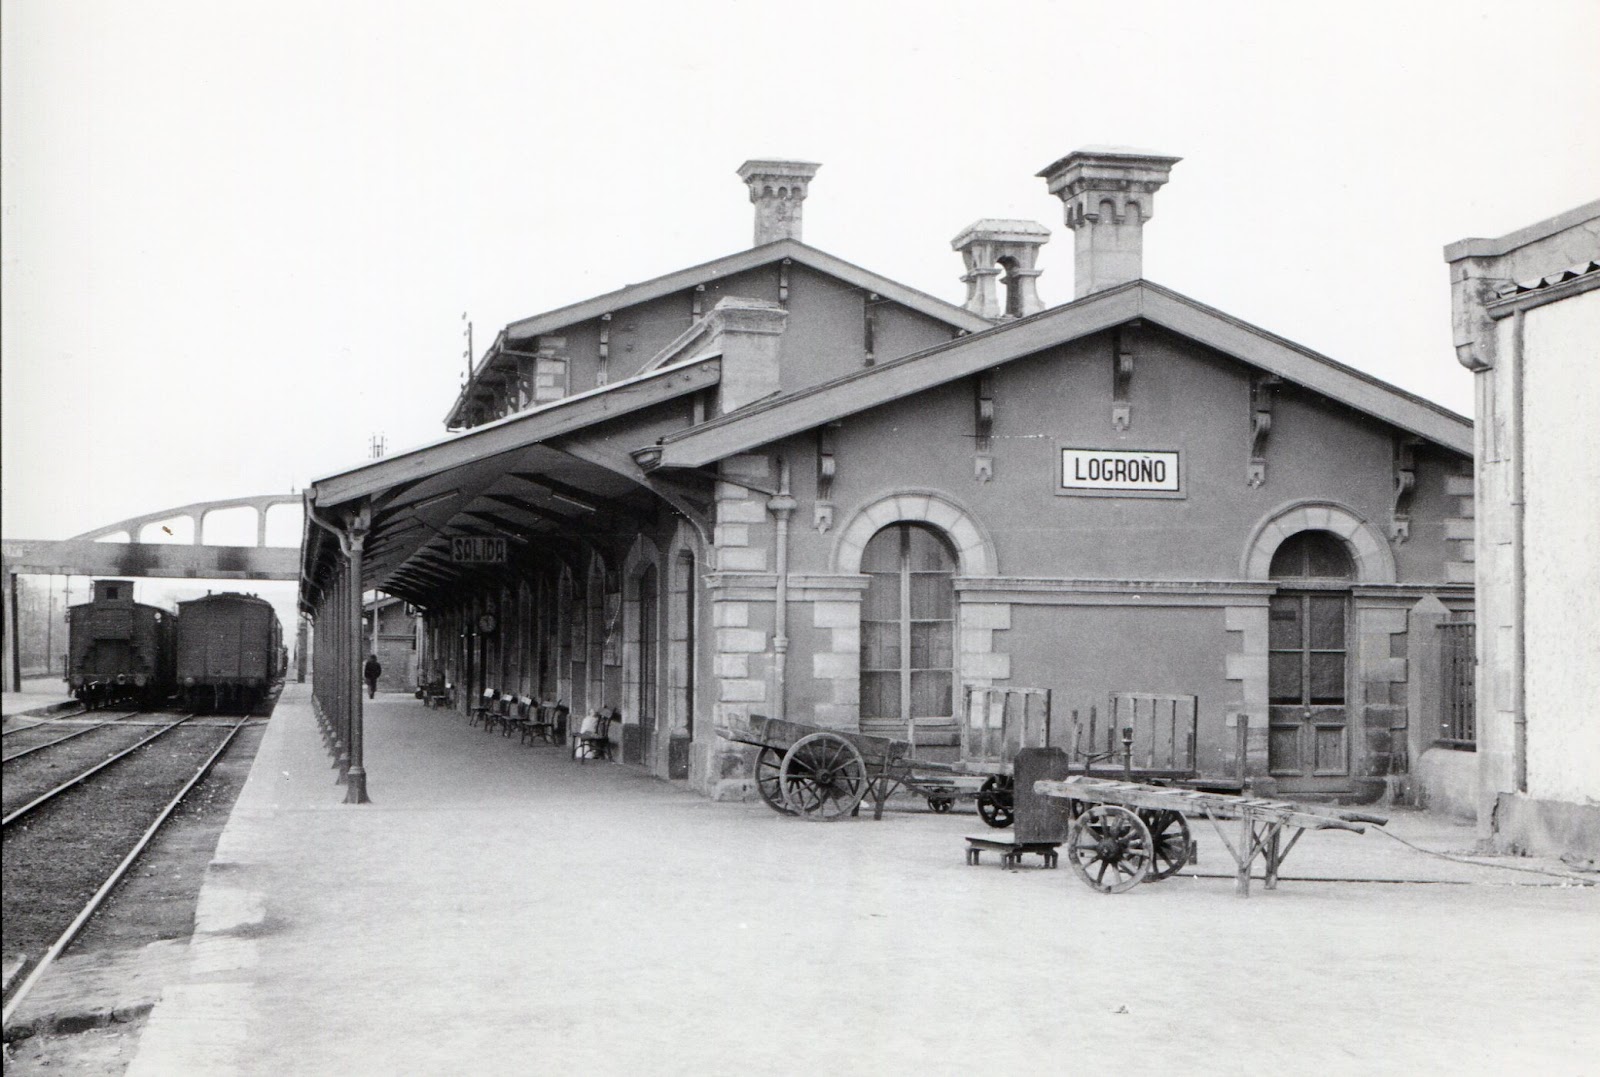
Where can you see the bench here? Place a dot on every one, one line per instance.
(485, 708)
(438, 694)
(546, 722)
(593, 739)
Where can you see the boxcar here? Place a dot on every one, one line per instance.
(119, 650)
(228, 652)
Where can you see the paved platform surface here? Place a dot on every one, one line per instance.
(502, 909)
(37, 696)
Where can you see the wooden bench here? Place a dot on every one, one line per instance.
(595, 743)
(485, 708)
(438, 694)
(546, 722)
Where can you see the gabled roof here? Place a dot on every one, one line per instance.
(740, 262)
(517, 430)
(744, 260)
(805, 409)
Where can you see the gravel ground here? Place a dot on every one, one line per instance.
(128, 949)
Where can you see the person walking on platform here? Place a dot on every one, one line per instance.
(371, 672)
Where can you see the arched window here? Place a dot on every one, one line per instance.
(1308, 667)
(907, 628)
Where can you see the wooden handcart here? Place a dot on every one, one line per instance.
(824, 774)
(1141, 737)
(1111, 847)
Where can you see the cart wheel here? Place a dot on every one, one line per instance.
(942, 805)
(1169, 842)
(995, 801)
(823, 777)
(769, 764)
(1109, 840)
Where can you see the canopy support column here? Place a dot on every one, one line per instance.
(352, 540)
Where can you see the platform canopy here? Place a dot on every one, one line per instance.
(540, 484)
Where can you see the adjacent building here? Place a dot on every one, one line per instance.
(778, 483)
(1527, 323)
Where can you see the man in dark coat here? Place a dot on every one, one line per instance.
(371, 671)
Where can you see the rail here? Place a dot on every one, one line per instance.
(91, 772)
(69, 736)
(100, 895)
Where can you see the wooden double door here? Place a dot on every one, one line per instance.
(1309, 743)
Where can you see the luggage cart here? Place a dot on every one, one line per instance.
(1110, 836)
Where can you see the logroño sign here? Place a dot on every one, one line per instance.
(1120, 471)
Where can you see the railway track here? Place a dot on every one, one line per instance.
(19, 753)
(67, 848)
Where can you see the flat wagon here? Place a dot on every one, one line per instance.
(229, 652)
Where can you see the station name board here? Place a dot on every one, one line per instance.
(478, 550)
(1120, 471)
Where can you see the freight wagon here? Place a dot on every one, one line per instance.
(119, 650)
(230, 649)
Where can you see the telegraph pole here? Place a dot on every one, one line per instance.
(468, 352)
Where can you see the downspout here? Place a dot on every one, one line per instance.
(782, 506)
(1519, 589)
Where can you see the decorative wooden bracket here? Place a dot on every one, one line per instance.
(1122, 348)
(1405, 485)
(983, 428)
(869, 327)
(783, 283)
(697, 306)
(1263, 391)
(827, 465)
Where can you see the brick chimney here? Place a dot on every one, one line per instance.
(989, 247)
(777, 188)
(1109, 192)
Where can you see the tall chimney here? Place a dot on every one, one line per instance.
(777, 188)
(1109, 192)
(991, 246)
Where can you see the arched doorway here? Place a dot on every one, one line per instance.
(1308, 673)
(907, 631)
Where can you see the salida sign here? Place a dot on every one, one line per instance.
(478, 550)
(1131, 471)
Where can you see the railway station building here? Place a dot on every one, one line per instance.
(780, 484)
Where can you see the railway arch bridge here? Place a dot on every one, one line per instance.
(118, 549)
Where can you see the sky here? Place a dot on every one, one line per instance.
(239, 239)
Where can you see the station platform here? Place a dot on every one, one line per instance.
(505, 909)
(38, 696)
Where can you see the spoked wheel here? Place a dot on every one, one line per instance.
(769, 782)
(1170, 842)
(823, 777)
(995, 801)
(1110, 848)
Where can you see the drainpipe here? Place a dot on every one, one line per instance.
(782, 506)
(1519, 589)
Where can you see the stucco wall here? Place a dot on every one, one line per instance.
(1183, 398)
(1561, 466)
